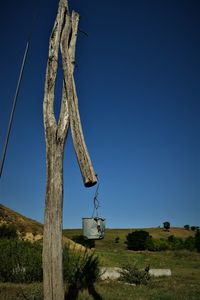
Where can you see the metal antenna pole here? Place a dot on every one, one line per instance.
(13, 107)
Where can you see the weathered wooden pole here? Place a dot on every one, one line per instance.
(64, 35)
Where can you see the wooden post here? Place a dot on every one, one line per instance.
(64, 35)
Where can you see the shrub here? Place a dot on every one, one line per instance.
(131, 274)
(193, 228)
(189, 243)
(176, 243)
(137, 240)
(150, 244)
(197, 240)
(158, 245)
(8, 231)
(20, 261)
(117, 239)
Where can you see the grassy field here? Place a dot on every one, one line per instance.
(109, 242)
(185, 267)
(182, 285)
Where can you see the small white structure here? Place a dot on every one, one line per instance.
(93, 228)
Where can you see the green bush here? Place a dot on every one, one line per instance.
(176, 243)
(189, 243)
(172, 243)
(137, 240)
(197, 240)
(158, 244)
(8, 231)
(131, 274)
(20, 261)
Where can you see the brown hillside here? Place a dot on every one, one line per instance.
(29, 229)
(23, 224)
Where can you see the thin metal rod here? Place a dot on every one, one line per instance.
(13, 107)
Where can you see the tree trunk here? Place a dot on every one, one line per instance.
(63, 35)
(52, 239)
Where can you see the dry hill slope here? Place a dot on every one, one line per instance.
(29, 229)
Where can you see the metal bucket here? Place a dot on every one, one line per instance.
(93, 228)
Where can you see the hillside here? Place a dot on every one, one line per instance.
(29, 229)
(109, 242)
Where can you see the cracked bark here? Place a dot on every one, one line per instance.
(64, 35)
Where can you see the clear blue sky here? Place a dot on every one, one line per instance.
(138, 79)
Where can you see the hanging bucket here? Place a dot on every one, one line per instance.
(93, 228)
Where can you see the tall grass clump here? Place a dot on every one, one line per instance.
(81, 271)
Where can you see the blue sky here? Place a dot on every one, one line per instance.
(137, 79)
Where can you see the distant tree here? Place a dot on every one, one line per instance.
(197, 240)
(166, 225)
(137, 240)
(187, 227)
(193, 228)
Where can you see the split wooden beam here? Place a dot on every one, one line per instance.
(63, 36)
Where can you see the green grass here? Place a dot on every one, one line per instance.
(182, 285)
(185, 267)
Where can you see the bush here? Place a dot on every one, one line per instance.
(158, 245)
(20, 261)
(8, 231)
(193, 228)
(131, 274)
(117, 239)
(176, 243)
(86, 243)
(189, 243)
(197, 240)
(137, 240)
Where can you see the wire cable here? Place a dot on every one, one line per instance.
(13, 107)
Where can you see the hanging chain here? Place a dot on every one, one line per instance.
(96, 203)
